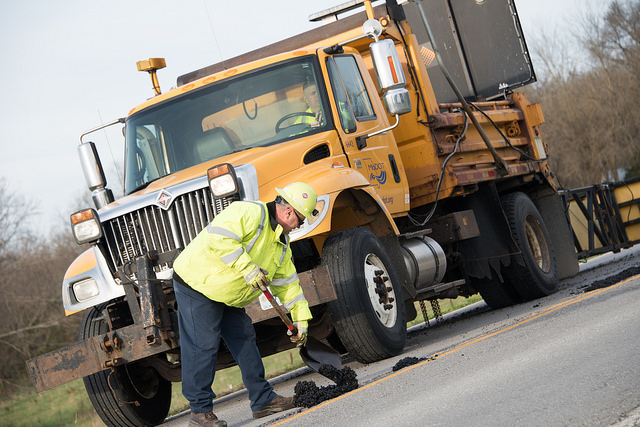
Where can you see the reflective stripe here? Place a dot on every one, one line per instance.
(260, 226)
(290, 304)
(286, 281)
(223, 232)
(251, 275)
(233, 256)
(284, 250)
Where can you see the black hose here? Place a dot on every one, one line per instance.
(444, 165)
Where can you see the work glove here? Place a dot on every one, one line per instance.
(301, 338)
(259, 282)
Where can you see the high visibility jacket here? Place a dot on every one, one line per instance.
(346, 118)
(309, 120)
(225, 255)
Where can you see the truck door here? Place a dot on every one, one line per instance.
(357, 112)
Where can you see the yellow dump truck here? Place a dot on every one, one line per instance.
(431, 172)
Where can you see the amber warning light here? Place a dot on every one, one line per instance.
(151, 65)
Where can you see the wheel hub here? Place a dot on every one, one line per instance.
(381, 294)
(536, 242)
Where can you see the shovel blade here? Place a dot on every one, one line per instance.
(315, 354)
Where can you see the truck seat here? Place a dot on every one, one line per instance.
(213, 143)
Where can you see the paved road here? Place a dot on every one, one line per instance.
(570, 359)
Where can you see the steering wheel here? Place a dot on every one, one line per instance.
(291, 115)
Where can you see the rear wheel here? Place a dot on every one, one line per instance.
(369, 313)
(534, 273)
(130, 395)
(495, 293)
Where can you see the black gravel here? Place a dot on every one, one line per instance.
(308, 394)
(407, 361)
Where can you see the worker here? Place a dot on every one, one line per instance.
(312, 99)
(315, 115)
(244, 249)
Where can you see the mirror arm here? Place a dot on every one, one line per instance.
(114, 122)
(361, 141)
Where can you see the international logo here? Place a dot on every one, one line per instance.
(164, 199)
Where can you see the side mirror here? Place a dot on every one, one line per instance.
(94, 174)
(390, 76)
(397, 101)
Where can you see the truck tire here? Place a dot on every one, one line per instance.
(143, 396)
(369, 313)
(496, 294)
(535, 273)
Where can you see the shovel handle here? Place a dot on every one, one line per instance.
(278, 308)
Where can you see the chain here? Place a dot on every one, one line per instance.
(437, 313)
(435, 306)
(425, 315)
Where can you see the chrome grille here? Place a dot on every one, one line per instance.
(152, 228)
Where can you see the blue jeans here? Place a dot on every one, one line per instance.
(202, 323)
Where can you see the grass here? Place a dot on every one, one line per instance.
(69, 404)
(446, 306)
(64, 405)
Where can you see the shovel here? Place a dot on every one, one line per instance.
(313, 353)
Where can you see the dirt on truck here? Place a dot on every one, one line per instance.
(431, 172)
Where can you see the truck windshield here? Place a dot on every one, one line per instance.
(264, 107)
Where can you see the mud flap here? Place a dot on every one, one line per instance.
(551, 209)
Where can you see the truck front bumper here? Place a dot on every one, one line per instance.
(148, 338)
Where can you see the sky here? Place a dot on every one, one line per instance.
(68, 66)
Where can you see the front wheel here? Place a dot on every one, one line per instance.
(130, 395)
(534, 273)
(369, 313)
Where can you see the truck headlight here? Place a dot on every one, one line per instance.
(222, 181)
(85, 289)
(85, 226)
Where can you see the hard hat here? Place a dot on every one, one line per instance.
(302, 197)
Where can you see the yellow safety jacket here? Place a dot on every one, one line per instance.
(308, 120)
(346, 118)
(224, 256)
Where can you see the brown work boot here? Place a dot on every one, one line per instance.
(278, 404)
(206, 419)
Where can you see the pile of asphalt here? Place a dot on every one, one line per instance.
(612, 280)
(308, 394)
(407, 361)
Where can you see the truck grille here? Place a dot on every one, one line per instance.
(152, 228)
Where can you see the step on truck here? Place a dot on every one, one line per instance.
(429, 163)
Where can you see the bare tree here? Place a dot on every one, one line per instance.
(593, 116)
(33, 267)
(13, 211)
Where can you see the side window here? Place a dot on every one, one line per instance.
(356, 90)
(347, 119)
